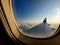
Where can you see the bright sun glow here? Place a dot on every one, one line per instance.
(57, 16)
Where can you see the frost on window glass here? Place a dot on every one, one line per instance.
(37, 18)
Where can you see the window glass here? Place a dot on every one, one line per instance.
(37, 18)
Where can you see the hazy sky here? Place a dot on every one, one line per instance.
(37, 10)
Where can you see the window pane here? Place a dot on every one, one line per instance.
(37, 18)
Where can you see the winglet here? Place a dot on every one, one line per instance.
(45, 21)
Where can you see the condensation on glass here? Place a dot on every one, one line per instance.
(37, 18)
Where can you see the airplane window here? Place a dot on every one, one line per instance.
(37, 18)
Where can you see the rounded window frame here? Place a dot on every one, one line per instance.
(34, 37)
(11, 26)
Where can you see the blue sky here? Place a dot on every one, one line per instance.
(37, 10)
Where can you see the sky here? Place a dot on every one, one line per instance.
(37, 10)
